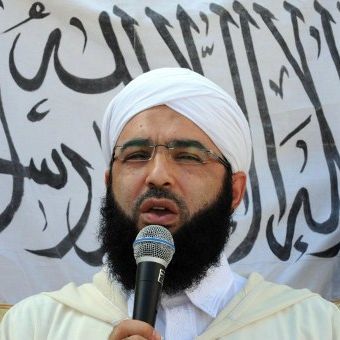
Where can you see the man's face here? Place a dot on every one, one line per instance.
(192, 187)
(194, 202)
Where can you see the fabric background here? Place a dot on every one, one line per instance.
(61, 63)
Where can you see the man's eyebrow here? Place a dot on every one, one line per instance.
(137, 142)
(187, 143)
(172, 143)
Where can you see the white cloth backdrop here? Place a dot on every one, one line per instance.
(62, 61)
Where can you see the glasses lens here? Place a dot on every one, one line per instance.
(135, 153)
(179, 154)
(188, 155)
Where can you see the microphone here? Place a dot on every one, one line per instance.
(153, 250)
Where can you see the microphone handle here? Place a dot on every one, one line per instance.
(149, 282)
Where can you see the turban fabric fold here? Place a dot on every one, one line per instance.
(190, 94)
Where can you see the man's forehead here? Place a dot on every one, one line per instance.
(163, 124)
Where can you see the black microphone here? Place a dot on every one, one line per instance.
(153, 250)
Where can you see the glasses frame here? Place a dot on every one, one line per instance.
(211, 154)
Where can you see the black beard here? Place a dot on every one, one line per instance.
(199, 241)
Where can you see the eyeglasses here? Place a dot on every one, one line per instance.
(181, 152)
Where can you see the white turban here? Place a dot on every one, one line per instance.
(193, 96)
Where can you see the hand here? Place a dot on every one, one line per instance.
(134, 329)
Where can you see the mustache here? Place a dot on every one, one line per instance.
(159, 193)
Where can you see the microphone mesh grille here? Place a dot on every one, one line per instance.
(154, 241)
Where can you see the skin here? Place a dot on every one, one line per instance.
(134, 330)
(195, 186)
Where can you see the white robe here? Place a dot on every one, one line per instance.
(261, 310)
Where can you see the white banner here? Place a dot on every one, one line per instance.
(61, 63)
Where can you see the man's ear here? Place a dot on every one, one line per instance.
(106, 177)
(239, 183)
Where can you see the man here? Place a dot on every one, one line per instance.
(178, 150)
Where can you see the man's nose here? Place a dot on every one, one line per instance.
(160, 169)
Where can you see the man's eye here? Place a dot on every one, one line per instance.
(188, 157)
(137, 156)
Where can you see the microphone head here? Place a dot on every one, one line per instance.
(154, 243)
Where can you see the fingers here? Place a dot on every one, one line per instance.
(134, 330)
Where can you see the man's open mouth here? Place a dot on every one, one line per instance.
(159, 211)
